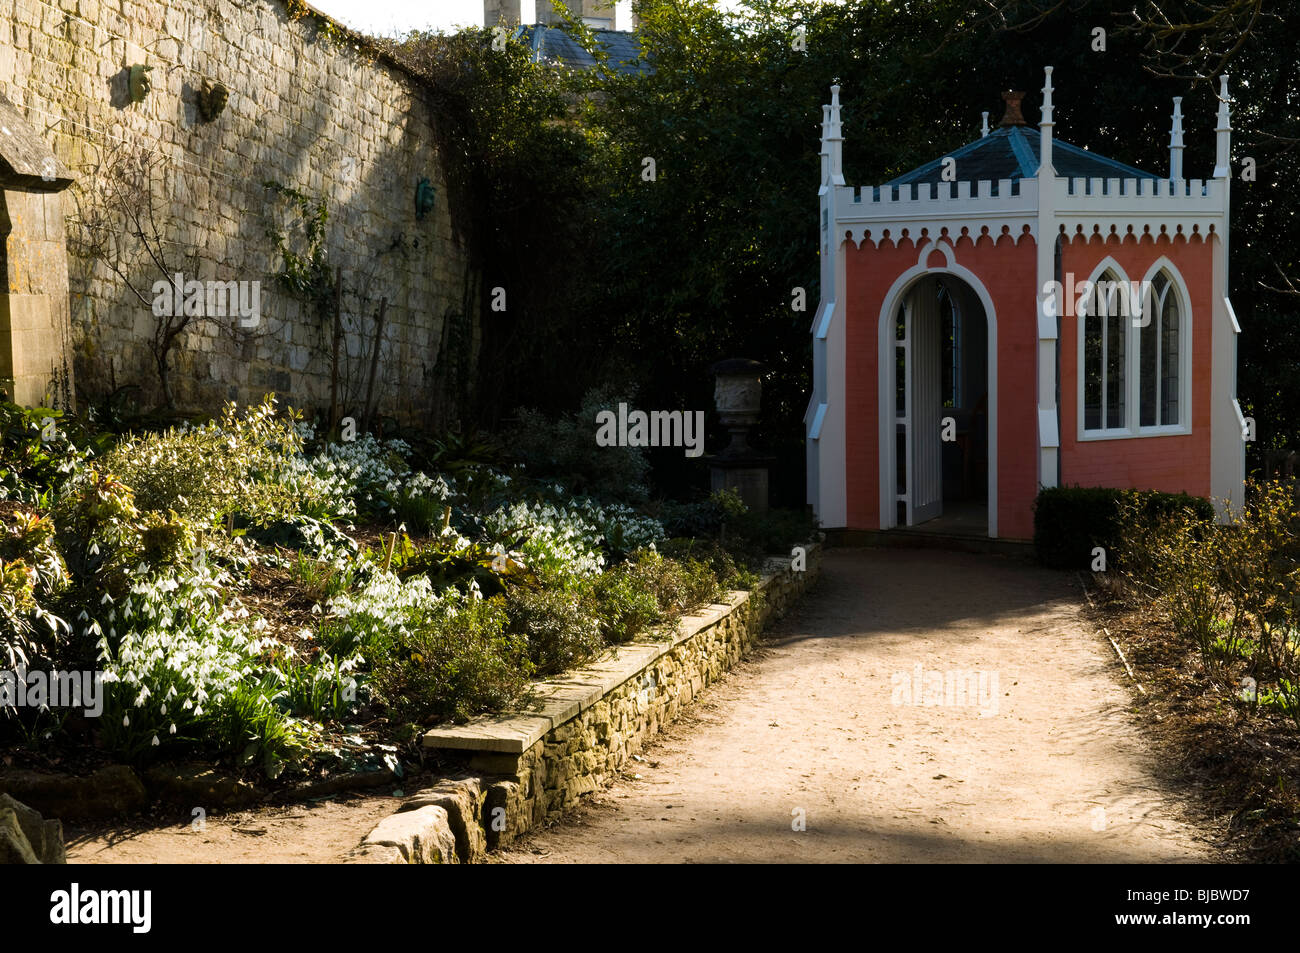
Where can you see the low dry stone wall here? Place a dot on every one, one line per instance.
(577, 734)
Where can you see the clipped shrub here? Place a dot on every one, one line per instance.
(715, 556)
(560, 625)
(678, 585)
(626, 607)
(455, 660)
(1070, 521)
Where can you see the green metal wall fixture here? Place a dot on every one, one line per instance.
(424, 196)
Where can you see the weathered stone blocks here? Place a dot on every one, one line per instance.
(422, 836)
(581, 754)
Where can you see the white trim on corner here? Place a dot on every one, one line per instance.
(822, 326)
(1232, 315)
(815, 431)
(886, 386)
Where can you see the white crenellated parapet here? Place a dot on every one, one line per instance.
(969, 205)
(1180, 190)
(1140, 206)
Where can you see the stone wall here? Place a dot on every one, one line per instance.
(308, 108)
(584, 727)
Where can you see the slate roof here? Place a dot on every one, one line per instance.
(1011, 152)
(552, 43)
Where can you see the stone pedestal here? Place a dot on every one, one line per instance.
(747, 476)
(738, 395)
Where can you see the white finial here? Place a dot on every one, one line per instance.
(984, 128)
(834, 139)
(1047, 97)
(1176, 141)
(1223, 132)
(1045, 168)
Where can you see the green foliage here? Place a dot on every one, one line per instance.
(417, 512)
(752, 537)
(306, 273)
(248, 723)
(454, 661)
(321, 579)
(1069, 521)
(560, 626)
(205, 473)
(324, 689)
(626, 606)
(32, 574)
(36, 453)
(172, 649)
(517, 165)
(678, 585)
(565, 449)
(713, 554)
(1232, 590)
(451, 560)
(99, 531)
(455, 452)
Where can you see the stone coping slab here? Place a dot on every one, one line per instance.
(558, 700)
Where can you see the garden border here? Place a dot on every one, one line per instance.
(577, 731)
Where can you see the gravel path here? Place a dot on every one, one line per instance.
(1040, 762)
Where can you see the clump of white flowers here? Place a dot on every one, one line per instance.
(554, 540)
(171, 650)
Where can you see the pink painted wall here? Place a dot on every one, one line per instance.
(1178, 463)
(1007, 271)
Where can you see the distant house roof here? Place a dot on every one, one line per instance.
(552, 43)
(1011, 152)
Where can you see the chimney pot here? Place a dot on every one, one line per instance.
(1013, 116)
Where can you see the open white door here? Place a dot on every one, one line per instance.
(924, 404)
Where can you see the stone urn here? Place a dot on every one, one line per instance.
(738, 393)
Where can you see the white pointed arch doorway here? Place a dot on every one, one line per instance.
(911, 351)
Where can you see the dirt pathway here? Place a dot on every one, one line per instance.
(319, 832)
(1047, 766)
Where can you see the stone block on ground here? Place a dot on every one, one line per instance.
(25, 834)
(422, 836)
(463, 802)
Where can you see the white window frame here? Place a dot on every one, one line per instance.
(1133, 358)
